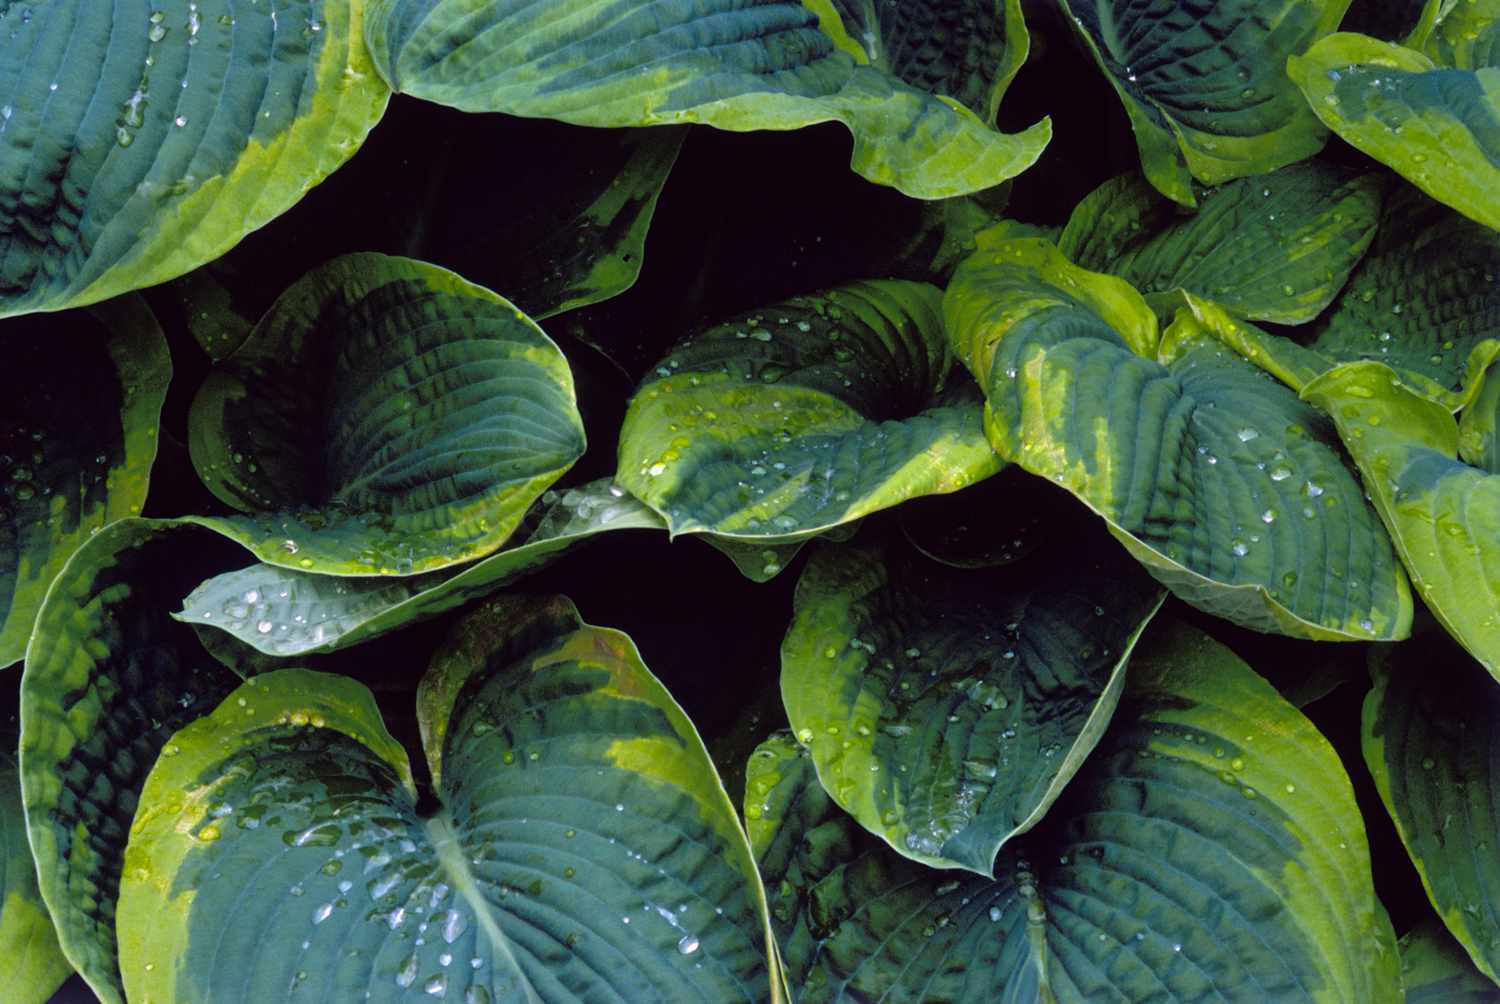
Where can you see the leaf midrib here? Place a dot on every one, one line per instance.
(450, 856)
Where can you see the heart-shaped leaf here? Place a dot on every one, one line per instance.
(384, 418)
(79, 402)
(1432, 743)
(946, 709)
(143, 138)
(1231, 491)
(721, 63)
(1205, 85)
(286, 613)
(1443, 515)
(34, 965)
(786, 422)
(1275, 247)
(1210, 848)
(582, 848)
(1438, 128)
(109, 677)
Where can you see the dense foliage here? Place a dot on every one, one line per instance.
(1102, 490)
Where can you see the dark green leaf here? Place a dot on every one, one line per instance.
(1232, 492)
(80, 397)
(583, 848)
(1210, 849)
(386, 417)
(946, 709)
(34, 964)
(109, 677)
(142, 138)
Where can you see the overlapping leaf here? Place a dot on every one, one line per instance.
(789, 421)
(1275, 247)
(945, 709)
(82, 393)
(1205, 84)
(1231, 491)
(1210, 847)
(285, 613)
(1465, 36)
(34, 965)
(1425, 301)
(1432, 742)
(969, 51)
(583, 847)
(1435, 126)
(384, 418)
(142, 138)
(1443, 515)
(109, 677)
(653, 62)
(1435, 970)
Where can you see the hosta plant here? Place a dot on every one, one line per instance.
(642, 501)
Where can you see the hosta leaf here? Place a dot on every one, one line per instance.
(1443, 515)
(81, 396)
(1432, 743)
(969, 51)
(653, 62)
(1231, 491)
(1275, 247)
(143, 138)
(1424, 301)
(945, 709)
(582, 243)
(1466, 37)
(384, 417)
(1210, 848)
(109, 677)
(582, 848)
(34, 964)
(1435, 970)
(1438, 128)
(1205, 84)
(788, 421)
(1478, 444)
(285, 613)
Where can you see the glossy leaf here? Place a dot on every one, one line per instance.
(786, 422)
(583, 847)
(1438, 128)
(1275, 247)
(1466, 36)
(1432, 742)
(287, 613)
(1231, 491)
(1210, 848)
(385, 417)
(82, 393)
(1205, 84)
(969, 51)
(1423, 301)
(143, 138)
(945, 709)
(656, 62)
(1435, 970)
(1443, 515)
(34, 965)
(109, 677)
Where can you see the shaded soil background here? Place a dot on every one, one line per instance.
(745, 219)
